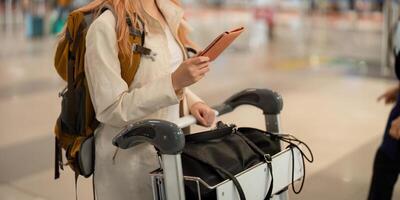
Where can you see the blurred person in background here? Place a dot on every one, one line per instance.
(158, 91)
(63, 9)
(387, 159)
(79, 3)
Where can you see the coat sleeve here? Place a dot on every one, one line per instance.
(192, 98)
(114, 103)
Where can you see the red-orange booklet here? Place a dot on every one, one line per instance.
(215, 48)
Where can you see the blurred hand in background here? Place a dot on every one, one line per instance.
(390, 96)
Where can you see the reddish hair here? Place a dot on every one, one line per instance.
(129, 8)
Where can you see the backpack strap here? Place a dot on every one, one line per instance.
(134, 31)
(58, 161)
(190, 52)
(140, 48)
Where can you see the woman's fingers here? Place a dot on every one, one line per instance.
(202, 65)
(204, 70)
(198, 115)
(198, 60)
(394, 130)
(210, 117)
(397, 136)
(204, 115)
(381, 97)
(396, 133)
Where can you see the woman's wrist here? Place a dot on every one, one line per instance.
(175, 85)
(177, 89)
(195, 104)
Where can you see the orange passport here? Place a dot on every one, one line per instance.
(216, 47)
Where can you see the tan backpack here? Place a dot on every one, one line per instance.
(76, 124)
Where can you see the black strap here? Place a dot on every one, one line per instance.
(225, 173)
(76, 185)
(93, 188)
(271, 185)
(143, 33)
(290, 139)
(209, 135)
(304, 171)
(134, 31)
(138, 32)
(264, 156)
(56, 159)
(189, 51)
(141, 50)
(71, 60)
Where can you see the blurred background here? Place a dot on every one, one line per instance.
(329, 59)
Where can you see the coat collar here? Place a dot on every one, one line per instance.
(172, 13)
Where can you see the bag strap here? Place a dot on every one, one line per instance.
(137, 48)
(76, 185)
(58, 162)
(225, 173)
(264, 156)
(209, 135)
(290, 139)
(93, 188)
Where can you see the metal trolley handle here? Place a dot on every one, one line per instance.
(164, 135)
(268, 101)
(169, 139)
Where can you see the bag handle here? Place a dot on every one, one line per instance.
(221, 131)
(264, 156)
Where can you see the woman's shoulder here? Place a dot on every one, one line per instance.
(105, 22)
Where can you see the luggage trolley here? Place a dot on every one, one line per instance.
(168, 138)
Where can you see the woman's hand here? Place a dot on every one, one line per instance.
(203, 113)
(190, 71)
(394, 131)
(390, 96)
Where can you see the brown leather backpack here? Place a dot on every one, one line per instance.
(77, 122)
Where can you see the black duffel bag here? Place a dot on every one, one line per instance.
(219, 154)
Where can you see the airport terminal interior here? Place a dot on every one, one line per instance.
(329, 60)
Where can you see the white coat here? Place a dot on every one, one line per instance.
(117, 105)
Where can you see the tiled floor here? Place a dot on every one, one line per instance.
(320, 66)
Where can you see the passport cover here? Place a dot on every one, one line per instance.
(215, 48)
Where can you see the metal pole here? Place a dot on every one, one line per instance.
(173, 174)
(8, 14)
(272, 123)
(386, 37)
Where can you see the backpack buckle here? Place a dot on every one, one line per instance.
(144, 51)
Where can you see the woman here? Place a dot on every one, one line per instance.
(156, 91)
